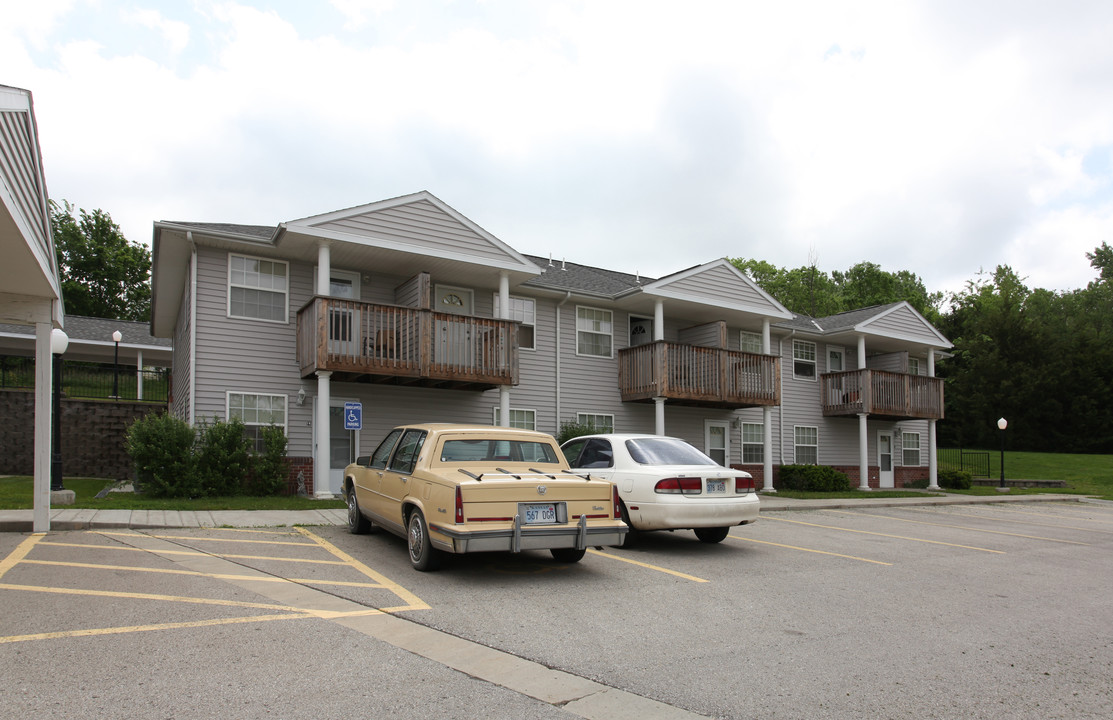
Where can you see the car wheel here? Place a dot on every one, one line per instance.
(357, 523)
(423, 556)
(567, 555)
(712, 535)
(631, 536)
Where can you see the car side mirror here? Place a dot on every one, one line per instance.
(364, 460)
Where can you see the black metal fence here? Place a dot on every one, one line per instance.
(92, 380)
(975, 462)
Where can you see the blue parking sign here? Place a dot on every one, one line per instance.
(353, 416)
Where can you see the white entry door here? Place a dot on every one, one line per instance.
(716, 438)
(885, 459)
(343, 444)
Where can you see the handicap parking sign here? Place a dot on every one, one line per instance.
(353, 416)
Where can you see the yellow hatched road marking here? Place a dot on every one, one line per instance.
(964, 527)
(693, 578)
(413, 602)
(91, 632)
(16, 556)
(198, 553)
(215, 576)
(202, 539)
(898, 537)
(794, 547)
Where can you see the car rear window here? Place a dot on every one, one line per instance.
(665, 451)
(489, 450)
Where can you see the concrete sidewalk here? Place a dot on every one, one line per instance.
(85, 519)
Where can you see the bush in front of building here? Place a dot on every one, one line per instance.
(570, 429)
(948, 479)
(173, 459)
(812, 478)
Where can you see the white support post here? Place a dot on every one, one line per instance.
(139, 375)
(767, 449)
(659, 415)
(863, 452)
(324, 269)
(321, 465)
(44, 418)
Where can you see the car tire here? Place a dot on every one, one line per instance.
(423, 556)
(567, 555)
(631, 536)
(357, 523)
(712, 535)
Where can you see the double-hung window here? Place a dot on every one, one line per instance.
(524, 310)
(803, 359)
(807, 445)
(256, 412)
(601, 423)
(910, 452)
(753, 443)
(521, 419)
(594, 332)
(750, 342)
(257, 288)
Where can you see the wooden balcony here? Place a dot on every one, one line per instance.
(889, 395)
(698, 376)
(366, 342)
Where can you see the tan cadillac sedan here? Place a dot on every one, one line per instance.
(477, 488)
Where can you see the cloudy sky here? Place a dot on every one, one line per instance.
(937, 136)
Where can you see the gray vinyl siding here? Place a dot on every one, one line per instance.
(19, 167)
(179, 359)
(903, 322)
(718, 286)
(421, 224)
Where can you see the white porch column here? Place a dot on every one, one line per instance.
(504, 314)
(766, 343)
(861, 352)
(863, 452)
(933, 460)
(659, 415)
(321, 470)
(44, 418)
(324, 268)
(767, 450)
(659, 320)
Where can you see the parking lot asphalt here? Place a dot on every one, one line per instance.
(86, 519)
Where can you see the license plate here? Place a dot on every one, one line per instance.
(539, 513)
(716, 486)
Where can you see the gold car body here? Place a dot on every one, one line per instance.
(476, 501)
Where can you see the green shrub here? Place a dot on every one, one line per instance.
(223, 457)
(955, 479)
(161, 447)
(570, 429)
(268, 468)
(812, 478)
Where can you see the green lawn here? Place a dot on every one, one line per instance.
(16, 493)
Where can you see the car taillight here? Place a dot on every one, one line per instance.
(459, 506)
(679, 486)
(743, 484)
(615, 501)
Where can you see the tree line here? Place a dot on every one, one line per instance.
(1041, 359)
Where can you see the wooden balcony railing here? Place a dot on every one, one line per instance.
(699, 376)
(883, 394)
(404, 345)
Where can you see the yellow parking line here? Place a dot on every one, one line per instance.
(194, 573)
(693, 578)
(90, 632)
(148, 596)
(965, 527)
(201, 539)
(794, 547)
(898, 537)
(413, 602)
(20, 552)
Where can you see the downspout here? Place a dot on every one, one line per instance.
(567, 297)
(192, 328)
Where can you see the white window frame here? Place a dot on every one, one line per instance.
(751, 444)
(751, 342)
(603, 422)
(913, 366)
(904, 449)
(527, 318)
(796, 358)
(257, 423)
(796, 444)
(285, 292)
(841, 353)
(594, 320)
(521, 413)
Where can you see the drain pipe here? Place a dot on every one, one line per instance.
(567, 297)
(192, 328)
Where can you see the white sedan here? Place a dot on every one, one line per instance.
(666, 484)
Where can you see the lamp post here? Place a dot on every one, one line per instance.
(1002, 424)
(117, 336)
(59, 341)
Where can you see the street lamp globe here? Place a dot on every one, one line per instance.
(59, 341)
(1002, 423)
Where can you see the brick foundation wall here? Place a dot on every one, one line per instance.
(304, 467)
(92, 435)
